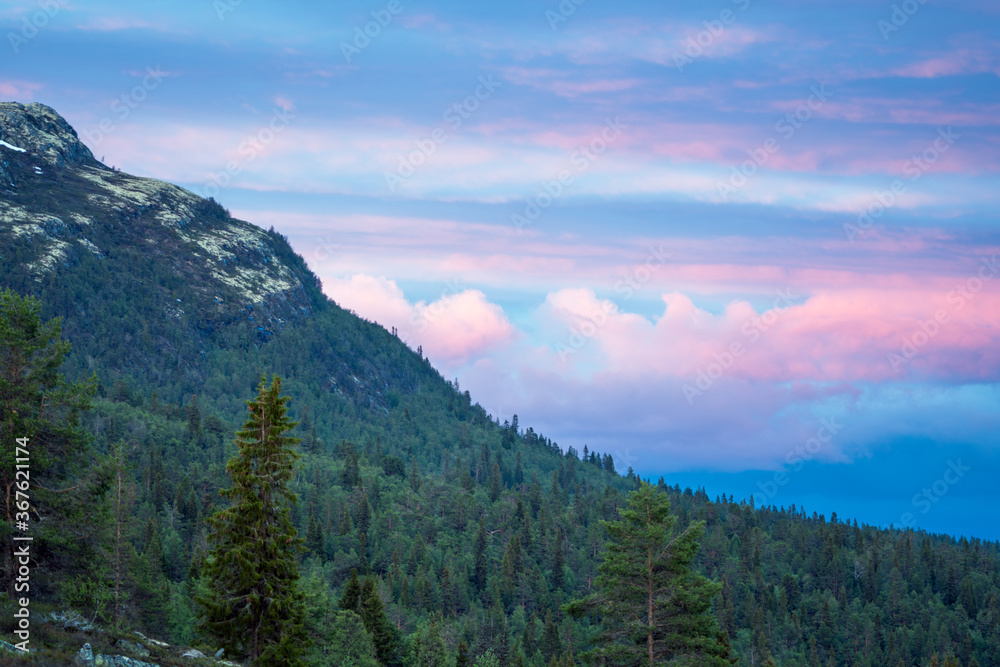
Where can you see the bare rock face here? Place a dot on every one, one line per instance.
(41, 131)
(59, 207)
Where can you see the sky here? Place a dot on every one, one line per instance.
(744, 245)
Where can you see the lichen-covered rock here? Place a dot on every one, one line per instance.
(43, 133)
(120, 661)
(194, 654)
(85, 657)
(132, 647)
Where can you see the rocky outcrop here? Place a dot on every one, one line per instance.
(132, 647)
(46, 132)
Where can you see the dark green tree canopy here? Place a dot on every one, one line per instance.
(653, 608)
(255, 606)
(42, 411)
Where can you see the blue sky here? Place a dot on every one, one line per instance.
(689, 235)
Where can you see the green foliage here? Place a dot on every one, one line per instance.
(338, 637)
(40, 412)
(448, 487)
(488, 659)
(654, 609)
(254, 605)
(428, 647)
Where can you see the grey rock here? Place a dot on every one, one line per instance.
(193, 653)
(218, 654)
(85, 656)
(70, 620)
(43, 133)
(132, 647)
(120, 661)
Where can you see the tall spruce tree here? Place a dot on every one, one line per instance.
(54, 492)
(254, 605)
(653, 608)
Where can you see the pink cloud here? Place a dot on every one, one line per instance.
(975, 59)
(417, 21)
(843, 336)
(284, 103)
(460, 325)
(114, 24)
(555, 82)
(19, 90)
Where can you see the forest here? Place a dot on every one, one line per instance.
(208, 430)
(429, 533)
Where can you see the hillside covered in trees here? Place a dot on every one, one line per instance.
(470, 535)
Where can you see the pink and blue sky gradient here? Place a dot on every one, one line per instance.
(717, 240)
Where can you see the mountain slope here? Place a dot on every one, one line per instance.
(153, 281)
(179, 309)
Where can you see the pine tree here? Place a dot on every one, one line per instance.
(122, 495)
(558, 563)
(653, 607)
(377, 623)
(429, 648)
(254, 605)
(479, 571)
(314, 538)
(462, 655)
(350, 599)
(40, 414)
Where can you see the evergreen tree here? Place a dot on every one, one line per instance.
(479, 571)
(654, 609)
(338, 637)
(377, 623)
(558, 563)
(350, 598)
(429, 648)
(462, 658)
(254, 605)
(40, 414)
(314, 537)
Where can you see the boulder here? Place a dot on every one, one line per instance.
(132, 647)
(85, 656)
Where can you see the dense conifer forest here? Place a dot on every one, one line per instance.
(424, 530)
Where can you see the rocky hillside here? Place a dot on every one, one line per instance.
(154, 281)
